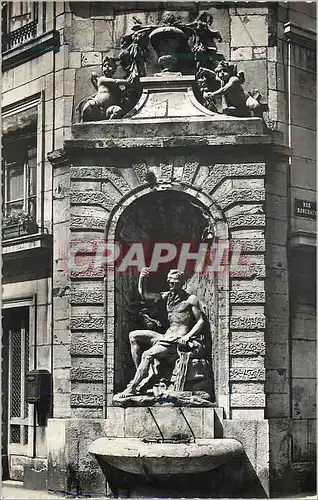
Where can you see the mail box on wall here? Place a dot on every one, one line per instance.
(39, 393)
(38, 386)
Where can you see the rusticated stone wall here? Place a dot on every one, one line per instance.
(100, 189)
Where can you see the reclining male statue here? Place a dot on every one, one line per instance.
(185, 334)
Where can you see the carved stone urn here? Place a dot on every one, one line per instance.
(169, 43)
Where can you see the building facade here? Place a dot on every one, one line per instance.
(65, 183)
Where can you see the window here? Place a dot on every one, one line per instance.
(19, 23)
(20, 174)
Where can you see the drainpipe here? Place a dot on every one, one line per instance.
(52, 178)
(289, 212)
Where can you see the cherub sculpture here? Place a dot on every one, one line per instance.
(107, 103)
(225, 81)
(238, 102)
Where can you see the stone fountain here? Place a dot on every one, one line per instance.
(181, 155)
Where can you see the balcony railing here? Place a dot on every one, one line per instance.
(19, 36)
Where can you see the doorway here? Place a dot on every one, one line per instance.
(15, 365)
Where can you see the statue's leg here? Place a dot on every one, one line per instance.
(141, 340)
(157, 351)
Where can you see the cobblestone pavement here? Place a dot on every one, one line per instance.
(12, 490)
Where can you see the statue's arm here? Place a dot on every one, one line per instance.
(222, 90)
(198, 315)
(121, 81)
(142, 286)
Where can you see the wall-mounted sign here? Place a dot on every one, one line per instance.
(307, 209)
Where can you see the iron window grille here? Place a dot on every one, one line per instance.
(19, 23)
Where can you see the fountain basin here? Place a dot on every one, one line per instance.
(155, 459)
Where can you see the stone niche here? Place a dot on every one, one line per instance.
(170, 170)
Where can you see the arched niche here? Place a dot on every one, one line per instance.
(160, 216)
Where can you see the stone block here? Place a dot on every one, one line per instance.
(103, 34)
(259, 52)
(304, 349)
(35, 474)
(303, 112)
(245, 432)
(7, 80)
(301, 224)
(312, 436)
(262, 453)
(277, 76)
(56, 454)
(276, 206)
(243, 348)
(300, 445)
(278, 106)
(247, 323)
(239, 310)
(241, 54)
(247, 362)
(87, 293)
(140, 423)
(278, 308)
(249, 10)
(245, 374)
(74, 59)
(277, 329)
(61, 381)
(86, 399)
(174, 421)
(277, 406)
(247, 336)
(277, 356)
(91, 58)
(88, 322)
(247, 388)
(80, 35)
(61, 356)
(303, 82)
(303, 172)
(84, 474)
(208, 422)
(115, 422)
(249, 31)
(276, 381)
(87, 373)
(43, 357)
(276, 231)
(247, 414)
(304, 398)
(64, 109)
(61, 407)
(247, 400)
(238, 286)
(87, 413)
(247, 296)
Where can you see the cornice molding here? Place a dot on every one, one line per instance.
(301, 36)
